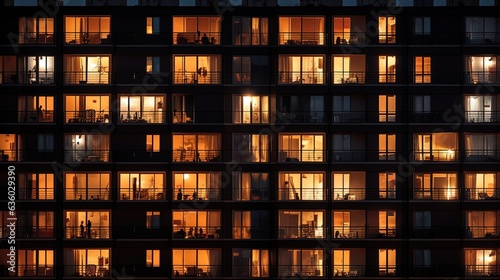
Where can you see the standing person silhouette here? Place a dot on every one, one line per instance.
(89, 225)
(39, 113)
(82, 230)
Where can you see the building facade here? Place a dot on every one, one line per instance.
(251, 138)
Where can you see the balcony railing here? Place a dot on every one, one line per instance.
(301, 77)
(183, 155)
(87, 77)
(450, 193)
(348, 77)
(482, 116)
(301, 232)
(87, 193)
(481, 194)
(476, 77)
(180, 270)
(436, 155)
(28, 77)
(87, 116)
(483, 232)
(349, 193)
(341, 270)
(40, 270)
(298, 193)
(201, 77)
(142, 194)
(303, 117)
(482, 155)
(348, 156)
(87, 270)
(198, 194)
(26, 38)
(349, 38)
(482, 270)
(197, 38)
(143, 117)
(247, 117)
(301, 270)
(194, 232)
(96, 232)
(30, 232)
(35, 193)
(250, 232)
(86, 155)
(87, 38)
(483, 38)
(301, 38)
(44, 116)
(349, 232)
(303, 155)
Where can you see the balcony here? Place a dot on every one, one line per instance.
(482, 155)
(182, 155)
(87, 116)
(349, 232)
(200, 193)
(34, 232)
(36, 116)
(88, 38)
(139, 232)
(88, 270)
(483, 232)
(303, 231)
(347, 78)
(482, 194)
(450, 193)
(301, 77)
(86, 156)
(303, 117)
(482, 77)
(87, 77)
(483, 38)
(197, 77)
(97, 232)
(482, 270)
(197, 270)
(345, 39)
(300, 270)
(302, 194)
(301, 38)
(87, 193)
(33, 38)
(193, 232)
(482, 116)
(196, 38)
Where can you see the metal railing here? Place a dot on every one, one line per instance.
(483, 232)
(349, 193)
(142, 194)
(140, 232)
(86, 155)
(482, 155)
(450, 193)
(348, 232)
(143, 117)
(87, 270)
(301, 77)
(197, 77)
(482, 116)
(196, 38)
(87, 193)
(87, 116)
(348, 77)
(349, 38)
(30, 232)
(301, 270)
(192, 231)
(35, 193)
(197, 194)
(482, 270)
(304, 155)
(482, 38)
(27, 38)
(436, 155)
(87, 77)
(481, 194)
(348, 156)
(34, 116)
(475, 77)
(40, 270)
(301, 38)
(303, 117)
(301, 232)
(96, 232)
(182, 155)
(180, 270)
(302, 194)
(87, 38)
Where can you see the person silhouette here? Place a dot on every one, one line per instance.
(179, 194)
(82, 230)
(205, 40)
(89, 225)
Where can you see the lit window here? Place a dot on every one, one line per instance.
(349, 30)
(250, 109)
(349, 224)
(196, 30)
(422, 69)
(77, 224)
(253, 262)
(141, 186)
(301, 147)
(349, 69)
(153, 142)
(301, 262)
(206, 186)
(35, 263)
(36, 30)
(387, 146)
(435, 186)
(301, 69)
(35, 186)
(301, 224)
(301, 30)
(250, 31)
(479, 186)
(200, 69)
(87, 30)
(387, 69)
(196, 224)
(153, 64)
(349, 185)
(386, 108)
(86, 186)
(387, 30)
(152, 258)
(387, 223)
(301, 186)
(86, 109)
(87, 69)
(387, 185)
(439, 146)
(152, 25)
(197, 147)
(142, 109)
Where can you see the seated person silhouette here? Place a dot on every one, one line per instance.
(205, 40)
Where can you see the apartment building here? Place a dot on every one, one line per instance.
(160, 139)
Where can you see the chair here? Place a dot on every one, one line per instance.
(483, 195)
(91, 270)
